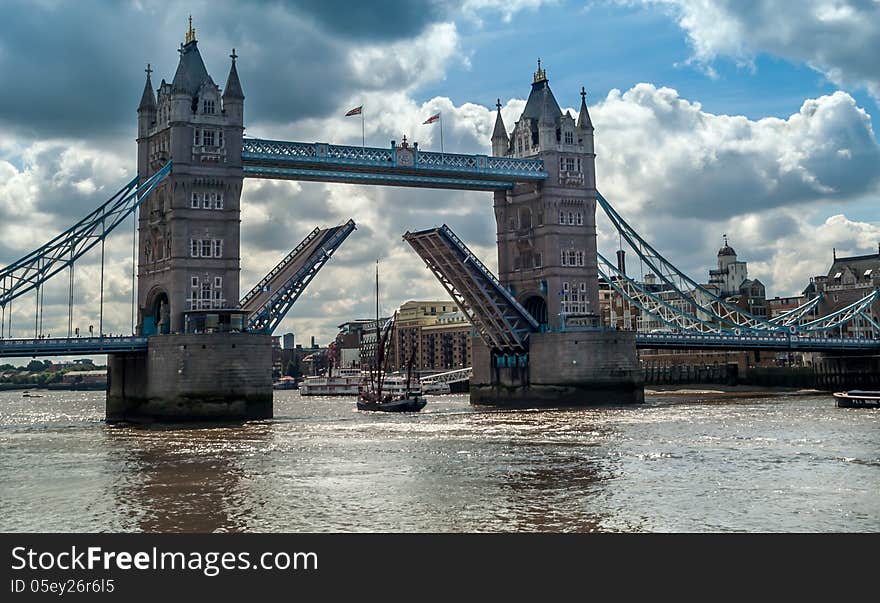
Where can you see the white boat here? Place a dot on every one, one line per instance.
(396, 385)
(435, 388)
(856, 398)
(343, 382)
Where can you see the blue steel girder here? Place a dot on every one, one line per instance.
(272, 310)
(860, 308)
(264, 285)
(765, 341)
(32, 270)
(795, 316)
(371, 165)
(502, 322)
(74, 346)
(716, 309)
(651, 303)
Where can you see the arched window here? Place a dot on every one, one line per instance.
(580, 218)
(561, 217)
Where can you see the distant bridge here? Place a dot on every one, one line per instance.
(779, 343)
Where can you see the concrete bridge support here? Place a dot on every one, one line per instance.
(204, 377)
(847, 372)
(574, 368)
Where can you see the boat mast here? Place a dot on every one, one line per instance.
(377, 385)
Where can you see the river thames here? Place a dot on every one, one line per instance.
(696, 463)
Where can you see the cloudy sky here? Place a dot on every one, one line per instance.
(712, 117)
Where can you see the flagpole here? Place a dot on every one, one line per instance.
(440, 119)
(363, 135)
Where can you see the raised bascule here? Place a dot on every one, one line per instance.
(201, 351)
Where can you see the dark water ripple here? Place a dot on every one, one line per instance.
(788, 464)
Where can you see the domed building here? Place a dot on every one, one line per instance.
(731, 274)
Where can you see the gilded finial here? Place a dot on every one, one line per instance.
(191, 33)
(498, 104)
(583, 94)
(540, 74)
(149, 70)
(233, 56)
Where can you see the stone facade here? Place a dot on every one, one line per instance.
(849, 279)
(547, 257)
(188, 229)
(546, 232)
(573, 368)
(189, 261)
(217, 377)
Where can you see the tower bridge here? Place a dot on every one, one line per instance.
(202, 351)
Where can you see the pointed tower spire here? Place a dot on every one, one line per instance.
(584, 122)
(500, 140)
(190, 33)
(148, 99)
(233, 90)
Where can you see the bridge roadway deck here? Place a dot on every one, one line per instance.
(781, 343)
(75, 346)
(394, 166)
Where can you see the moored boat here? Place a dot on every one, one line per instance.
(285, 383)
(343, 382)
(412, 403)
(857, 398)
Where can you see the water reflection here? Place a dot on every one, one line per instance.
(719, 465)
(184, 478)
(550, 468)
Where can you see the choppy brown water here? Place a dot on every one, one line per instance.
(674, 465)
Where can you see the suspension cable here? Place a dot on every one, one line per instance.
(134, 221)
(70, 302)
(101, 310)
(37, 313)
(42, 303)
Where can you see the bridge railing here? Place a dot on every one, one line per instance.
(793, 341)
(65, 346)
(257, 150)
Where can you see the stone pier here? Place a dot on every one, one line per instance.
(193, 377)
(575, 368)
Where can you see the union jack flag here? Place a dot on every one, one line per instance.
(432, 119)
(355, 111)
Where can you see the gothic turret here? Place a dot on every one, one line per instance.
(148, 99)
(233, 91)
(584, 122)
(233, 96)
(147, 108)
(541, 105)
(500, 141)
(191, 72)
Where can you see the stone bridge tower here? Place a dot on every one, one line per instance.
(547, 258)
(188, 229)
(199, 365)
(547, 232)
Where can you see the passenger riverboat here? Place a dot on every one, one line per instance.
(342, 382)
(857, 398)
